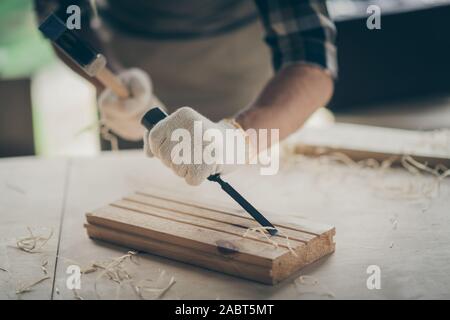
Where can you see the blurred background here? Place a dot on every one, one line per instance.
(395, 77)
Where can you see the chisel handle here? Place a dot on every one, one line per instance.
(152, 117)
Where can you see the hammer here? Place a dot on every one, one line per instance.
(89, 60)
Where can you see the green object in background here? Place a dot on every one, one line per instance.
(23, 50)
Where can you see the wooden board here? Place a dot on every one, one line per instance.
(209, 236)
(361, 142)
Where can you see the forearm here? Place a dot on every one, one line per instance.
(288, 99)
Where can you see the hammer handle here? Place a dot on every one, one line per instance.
(110, 80)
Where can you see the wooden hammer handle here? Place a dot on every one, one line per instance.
(110, 80)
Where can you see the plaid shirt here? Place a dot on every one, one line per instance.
(299, 31)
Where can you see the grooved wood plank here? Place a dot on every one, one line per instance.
(235, 224)
(200, 238)
(208, 236)
(211, 207)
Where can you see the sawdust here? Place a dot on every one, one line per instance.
(33, 243)
(264, 231)
(29, 287)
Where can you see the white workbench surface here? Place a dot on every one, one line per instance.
(409, 239)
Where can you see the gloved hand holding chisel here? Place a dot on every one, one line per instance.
(164, 142)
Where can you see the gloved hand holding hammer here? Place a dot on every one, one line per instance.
(123, 115)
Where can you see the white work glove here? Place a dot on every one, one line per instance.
(158, 142)
(123, 116)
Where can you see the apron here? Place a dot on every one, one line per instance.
(218, 75)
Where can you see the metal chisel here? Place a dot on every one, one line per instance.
(155, 115)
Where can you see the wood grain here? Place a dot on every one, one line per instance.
(207, 236)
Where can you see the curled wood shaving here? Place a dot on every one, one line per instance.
(44, 267)
(154, 288)
(33, 244)
(114, 270)
(440, 171)
(29, 287)
(414, 190)
(270, 239)
(411, 190)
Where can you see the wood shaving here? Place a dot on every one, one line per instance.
(155, 288)
(44, 267)
(33, 244)
(391, 189)
(440, 171)
(114, 270)
(91, 269)
(270, 239)
(29, 287)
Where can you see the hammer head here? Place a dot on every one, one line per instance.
(72, 45)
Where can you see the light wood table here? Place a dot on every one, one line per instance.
(408, 239)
